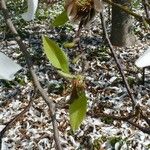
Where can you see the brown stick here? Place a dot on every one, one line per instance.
(124, 118)
(36, 83)
(136, 16)
(117, 61)
(13, 120)
(136, 109)
(146, 8)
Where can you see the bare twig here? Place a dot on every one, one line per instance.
(115, 117)
(117, 61)
(145, 118)
(136, 111)
(143, 129)
(13, 120)
(136, 16)
(28, 59)
(146, 8)
(127, 118)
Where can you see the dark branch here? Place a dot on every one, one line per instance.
(126, 118)
(146, 8)
(13, 120)
(136, 109)
(117, 61)
(136, 16)
(36, 83)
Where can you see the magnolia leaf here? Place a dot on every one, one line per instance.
(77, 110)
(61, 19)
(144, 60)
(8, 68)
(70, 44)
(55, 55)
(67, 75)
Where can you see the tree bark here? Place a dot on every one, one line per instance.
(121, 26)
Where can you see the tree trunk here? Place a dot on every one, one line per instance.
(121, 26)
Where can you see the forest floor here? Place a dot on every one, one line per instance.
(104, 87)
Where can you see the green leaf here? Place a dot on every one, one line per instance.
(61, 19)
(69, 45)
(77, 110)
(55, 55)
(67, 75)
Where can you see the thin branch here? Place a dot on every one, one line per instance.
(36, 83)
(13, 120)
(120, 118)
(136, 16)
(145, 118)
(143, 129)
(126, 118)
(130, 93)
(146, 8)
(136, 109)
